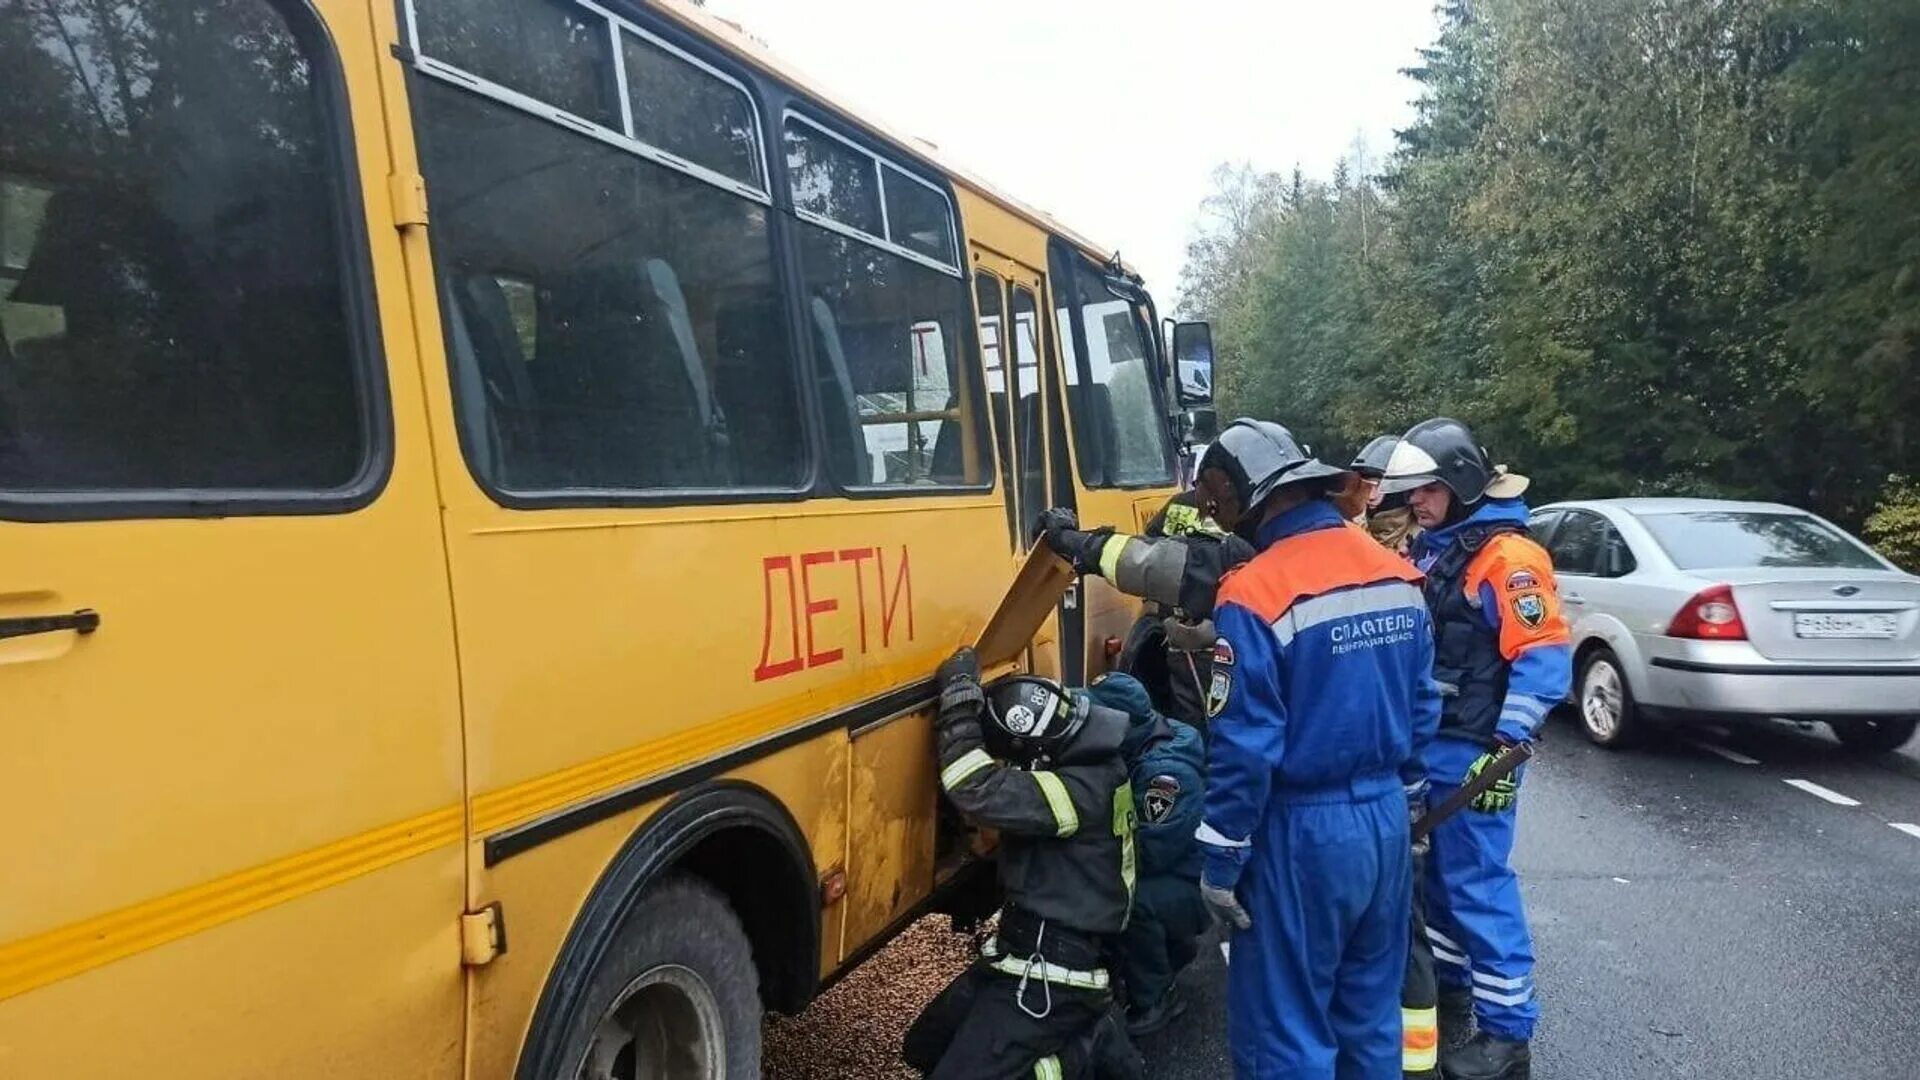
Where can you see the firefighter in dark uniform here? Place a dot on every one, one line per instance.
(1043, 767)
(1177, 572)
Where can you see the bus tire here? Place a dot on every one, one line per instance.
(676, 996)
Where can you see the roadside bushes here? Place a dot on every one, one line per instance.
(1894, 526)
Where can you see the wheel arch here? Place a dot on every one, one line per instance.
(738, 838)
(1606, 632)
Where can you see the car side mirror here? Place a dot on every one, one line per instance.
(1193, 364)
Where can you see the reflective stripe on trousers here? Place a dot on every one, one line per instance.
(1419, 1040)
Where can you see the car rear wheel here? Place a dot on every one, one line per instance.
(1881, 735)
(675, 997)
(1607, 712)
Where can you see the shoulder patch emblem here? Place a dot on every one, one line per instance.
(1522, 579)
(1219, 690)
(1531, 608)
(1162, 793)
(1223, 652)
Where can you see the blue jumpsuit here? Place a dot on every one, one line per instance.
(1322, 699)
(1503, 649)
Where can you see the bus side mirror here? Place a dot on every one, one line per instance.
(1193, 364)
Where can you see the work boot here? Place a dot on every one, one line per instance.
(1154, 1017)
(1488, 1057)
(1456, 1016)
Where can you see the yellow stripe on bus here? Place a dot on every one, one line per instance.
(529, 799)
(65, 951)
(32, 962)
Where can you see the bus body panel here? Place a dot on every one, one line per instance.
(237, 804)
(544, 889)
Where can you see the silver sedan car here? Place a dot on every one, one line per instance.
(1703, 610)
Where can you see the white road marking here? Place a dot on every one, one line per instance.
(1734, 756)
(1910, 830)
(1819, 792)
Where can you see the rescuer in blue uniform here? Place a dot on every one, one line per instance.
(1322, 699)
(1502, 656)
(1167, 763)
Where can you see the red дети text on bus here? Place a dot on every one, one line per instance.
(799, 587)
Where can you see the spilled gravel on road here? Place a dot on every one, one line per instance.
(854, 1029)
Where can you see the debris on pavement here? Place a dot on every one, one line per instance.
(855, 1028)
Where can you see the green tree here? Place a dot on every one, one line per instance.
(1642, 246)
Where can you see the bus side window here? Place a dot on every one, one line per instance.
(888, 320)
(172, 286)
(658, 362)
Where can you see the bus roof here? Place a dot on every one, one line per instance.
(734, 38)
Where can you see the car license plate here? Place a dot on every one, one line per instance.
(1845, 624)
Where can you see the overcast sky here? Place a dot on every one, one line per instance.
(1111, 115)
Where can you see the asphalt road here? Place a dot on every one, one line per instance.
(1696, 915)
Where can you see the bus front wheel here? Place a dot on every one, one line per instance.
(675, 997)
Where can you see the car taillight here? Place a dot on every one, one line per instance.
(1711, 616)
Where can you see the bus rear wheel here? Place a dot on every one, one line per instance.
(675, 997)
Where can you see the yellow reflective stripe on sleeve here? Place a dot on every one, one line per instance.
(1110, 556)
(1048, 1068)
(1419, 1040)
(1065, 817)
(964, 766)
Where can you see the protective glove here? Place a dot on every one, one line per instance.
(1498, 798)
(1061, 531)
(1219, 875)
(958, 682)
(1051, 524)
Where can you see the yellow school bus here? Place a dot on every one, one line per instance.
(484, 485)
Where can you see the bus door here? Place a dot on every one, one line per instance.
(1021, 376)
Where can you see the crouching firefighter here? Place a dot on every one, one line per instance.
(1177, 572)
(1045, 769)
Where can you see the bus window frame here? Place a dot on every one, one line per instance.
(1001, 423)
(882, 164)
(968, 361)
(623, 139)
(359, 310)
(782, 254)
(769, 96)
